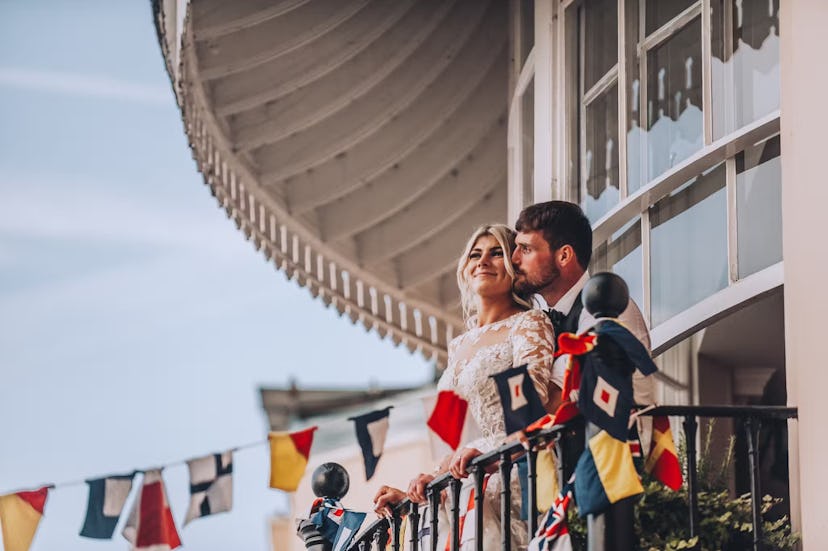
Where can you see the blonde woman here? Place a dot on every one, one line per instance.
(503, 331)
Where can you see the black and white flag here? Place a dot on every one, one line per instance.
(211, 485)
(371, 430)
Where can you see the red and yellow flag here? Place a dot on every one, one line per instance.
(662, 461)
(19, 516)
(289, 453)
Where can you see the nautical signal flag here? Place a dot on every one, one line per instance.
(662, 461)
(328, 518)
(638, 355)
(605, 474)
(20, 514)
(348, 528)
(289, 453)
(521, 404)
(605, 396)
(211, 485)
(150, 526)
(574, 346)
(448, 417)
(371, 430)
(553, 533)
(107, 497)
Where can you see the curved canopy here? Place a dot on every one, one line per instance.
(357, 143)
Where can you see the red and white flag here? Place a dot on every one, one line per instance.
(448, 418)
(150, 526)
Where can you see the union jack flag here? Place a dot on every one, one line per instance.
(553, 534)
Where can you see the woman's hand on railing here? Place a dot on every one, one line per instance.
(385, 498)
(460, 463)
(417, 487)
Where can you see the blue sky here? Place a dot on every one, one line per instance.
(136, 324)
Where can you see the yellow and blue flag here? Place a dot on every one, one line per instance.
(605, 474)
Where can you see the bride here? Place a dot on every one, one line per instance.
(503, 331)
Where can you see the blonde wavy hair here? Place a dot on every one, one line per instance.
(505, 237)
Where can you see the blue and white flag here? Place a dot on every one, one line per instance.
(107, 497)
(371, 430)
(328, 518)
(211, 485)
(348, 528)
(521, 404)
(638, 355)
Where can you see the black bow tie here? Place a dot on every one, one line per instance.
(557, 317)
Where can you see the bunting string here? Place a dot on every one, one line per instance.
(150, 524)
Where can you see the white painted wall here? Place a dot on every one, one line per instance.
(804, 200)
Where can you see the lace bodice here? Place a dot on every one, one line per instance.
(524, 338)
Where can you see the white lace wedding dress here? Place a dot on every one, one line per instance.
(524, 338)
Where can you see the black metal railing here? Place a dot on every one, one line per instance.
(377, 535)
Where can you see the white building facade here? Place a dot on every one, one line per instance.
(358, 143)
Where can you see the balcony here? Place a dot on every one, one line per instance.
(612, 530)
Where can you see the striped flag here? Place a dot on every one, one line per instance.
(289, 453)
(211, 485)
(20, 514)
(150, 526)
(107, 497)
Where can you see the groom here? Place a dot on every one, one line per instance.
(552, 253)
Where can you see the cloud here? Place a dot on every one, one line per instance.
(84, 85)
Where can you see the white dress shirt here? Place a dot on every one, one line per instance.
(631, 318)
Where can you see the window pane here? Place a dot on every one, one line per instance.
(759, 207)
(674, 100)
(599, 190)
(600, 39)
(622, 255)
(659, 12)
(688, 248)
(528, 143)
(745, 63)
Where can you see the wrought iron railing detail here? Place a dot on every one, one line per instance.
(377, 534)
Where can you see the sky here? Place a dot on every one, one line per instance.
(136, 323)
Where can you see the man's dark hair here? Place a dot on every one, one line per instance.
(561, 223)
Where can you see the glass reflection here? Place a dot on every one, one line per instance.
(659, 12)
(759, 206)
(527, 29)
(622, 255)
(674, 100)
(688, 253)
(600, 40)
(745, 62)
(599, 168)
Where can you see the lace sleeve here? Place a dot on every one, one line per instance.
(534, 345)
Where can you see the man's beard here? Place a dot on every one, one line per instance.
(526, 286)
